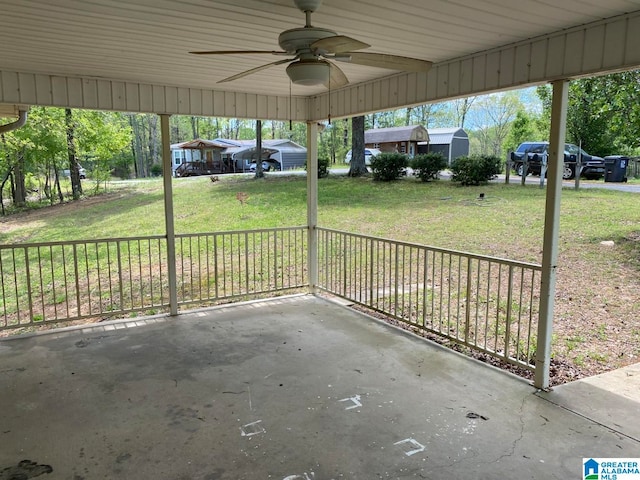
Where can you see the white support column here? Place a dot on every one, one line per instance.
(168, 215)
(551, 229)
(312, 204)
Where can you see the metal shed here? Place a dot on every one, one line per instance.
(450, 142)
(396, 139)
(289, 154)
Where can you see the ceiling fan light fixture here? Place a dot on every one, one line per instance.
(309, 73)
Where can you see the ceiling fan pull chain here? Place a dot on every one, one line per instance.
(329, 116)
(290, 109)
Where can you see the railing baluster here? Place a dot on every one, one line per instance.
(507, 335)
(5, 315)
(53, 284)
(28, 279)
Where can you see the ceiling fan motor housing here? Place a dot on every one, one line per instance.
(308, 5)
(299, 40)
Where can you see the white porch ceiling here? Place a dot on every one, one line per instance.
(146, 42)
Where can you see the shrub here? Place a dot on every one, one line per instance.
(427, 166)
(475, 169)
(323, 167)
(156, 170)
(389, 166)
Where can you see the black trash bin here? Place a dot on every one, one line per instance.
(615, 167)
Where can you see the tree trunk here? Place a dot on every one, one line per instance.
(19, 189)
(463, 106)
(194, 128)
(357, 167)
(259, 172)
(134, 144)
(153, 141)
(4, 181)
(76, 185)
(345, 133)
(47, 181)
(58, 188)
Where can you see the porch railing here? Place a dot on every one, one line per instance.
(63, 281)
(487, 304)
(238, 264)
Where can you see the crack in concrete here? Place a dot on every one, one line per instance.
(515, 442)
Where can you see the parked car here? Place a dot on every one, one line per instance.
(267, 165)
(368, 153)
(592, 166)
(81, 172)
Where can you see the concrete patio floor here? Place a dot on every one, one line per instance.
(290, 388)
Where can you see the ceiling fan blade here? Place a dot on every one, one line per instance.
(382, 60)
(254, 70)
(238, 52)
(338, 44)
(337, 78)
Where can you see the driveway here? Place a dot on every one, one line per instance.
(446, 175)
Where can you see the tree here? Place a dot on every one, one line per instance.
(587, 120)
(259, 172)
(462, 107)
(493, 115)
(603, 113)
(330, 143)
(102, 141)
(623, 92)
(74, 167)
(522, 129)
(431, 115)
(357, 166)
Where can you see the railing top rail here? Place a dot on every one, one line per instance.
(503, 261)
(236, 232)
(7, 246)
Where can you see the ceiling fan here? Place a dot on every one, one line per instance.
(314, 49)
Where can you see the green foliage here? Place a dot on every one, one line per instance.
(323, 167)
(492, 119)
(623, 93)
(545, 94)
(475, 169)
(603, 113)
(427, 166)
(122, 165)
(587, 121)
(387, 167)
(333, 141)
(156, 170)
(522, 130)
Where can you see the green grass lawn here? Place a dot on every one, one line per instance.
(508, 222)
(597, 297)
